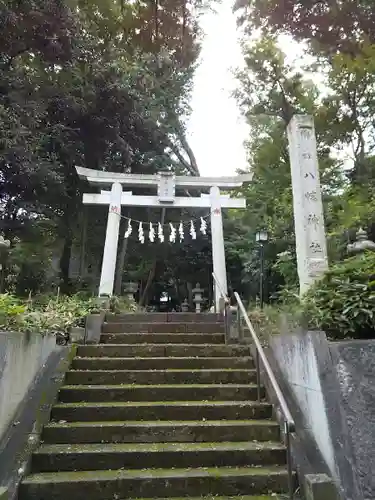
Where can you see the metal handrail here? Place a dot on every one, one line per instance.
(280, 397)
(226, 307)
(218, 284)
(289, 424)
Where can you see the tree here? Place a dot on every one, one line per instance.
(329, 25)
(270, 92)
(99, 84)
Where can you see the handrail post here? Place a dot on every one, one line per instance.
(239, 326)
(289, 460)
(257, 361)
(227, 320)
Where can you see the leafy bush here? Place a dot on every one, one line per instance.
(10, 310)
(275, 319)
(121, 304)
(342, 303)
(51, 314)
(55, 315)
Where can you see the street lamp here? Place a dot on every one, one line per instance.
(261, 237)
(4, 247)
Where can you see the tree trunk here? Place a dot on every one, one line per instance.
(193, 161)
(143, 300)
(151, 274)
(65, 262)
(83, 242)
(120, 266)
(189, 288)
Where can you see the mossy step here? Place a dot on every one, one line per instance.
(153, 483)
(215, 497)
(161, 431)
(158, 447)
(162, 338)
(217, 376)
(71, 457)
(162, 350)
(154, 327)
(152, 363)
(165, 392)
(161, 410)
(164, 317)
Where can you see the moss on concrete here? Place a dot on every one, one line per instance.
(103, 475)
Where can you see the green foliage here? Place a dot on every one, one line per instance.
(51, 314)
(102, 84)
(119, 305)
(328, 25)
(285, 265)
(44, 315)
(274, 319)
(10, 311)
(343, 302)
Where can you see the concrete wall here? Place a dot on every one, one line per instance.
(303, 362)
(21, 357)
(296, 355)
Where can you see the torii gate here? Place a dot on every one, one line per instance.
(165, 183)
(311, 246)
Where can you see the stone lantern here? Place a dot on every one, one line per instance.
(185, 306)
(197, 297)
(361, 244)
(130, 288)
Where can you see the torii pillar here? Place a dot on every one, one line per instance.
(217, 242)
(107, 277)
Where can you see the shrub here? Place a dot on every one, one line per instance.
(51, 314)
(342, 303)
(11, 310)
(121, 304)
(54, 315)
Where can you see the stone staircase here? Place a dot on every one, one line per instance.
(162, 408)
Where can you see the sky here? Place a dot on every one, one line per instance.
(216, 129)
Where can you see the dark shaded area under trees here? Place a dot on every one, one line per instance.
(105, 84)
(102, 84)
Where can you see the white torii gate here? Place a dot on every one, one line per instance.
(166, 184)
(311, 244)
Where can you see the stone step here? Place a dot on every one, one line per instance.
(159, 363)
(178, 392)
(174, 327)
(151, 377)
(164, 318)
(160, 410)
(104, 456)
(122, 484)
(162, 338)
(215, 497)
(161, 431)
(166, 350)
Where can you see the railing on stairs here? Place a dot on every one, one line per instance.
(288, 421)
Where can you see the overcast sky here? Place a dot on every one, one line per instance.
(216, 129)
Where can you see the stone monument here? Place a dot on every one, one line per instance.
(311, 247)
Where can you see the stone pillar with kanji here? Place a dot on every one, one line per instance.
(310, 234)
